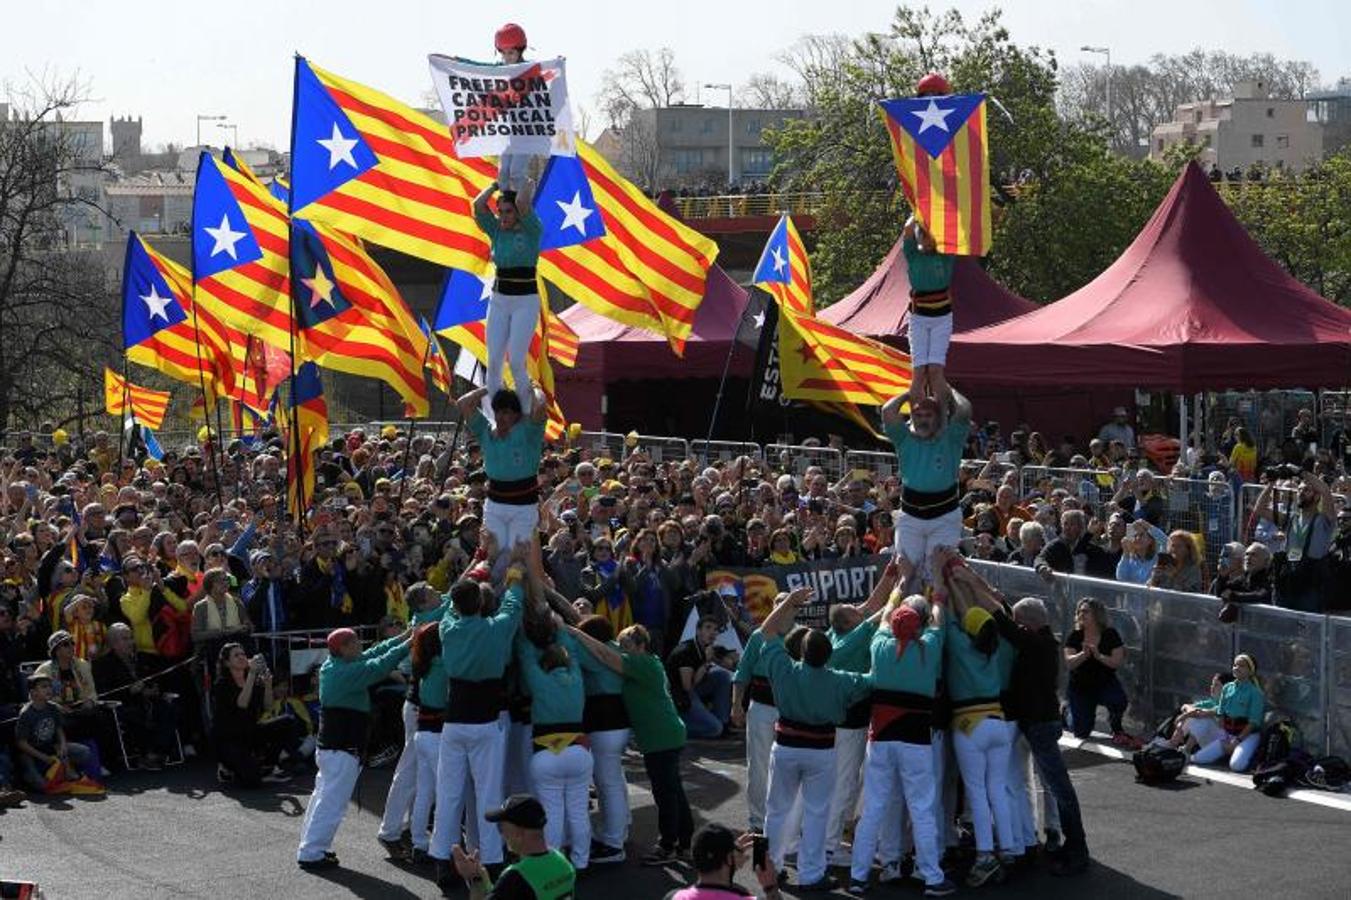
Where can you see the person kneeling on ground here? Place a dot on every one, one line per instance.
(538, 873)
(718, 853)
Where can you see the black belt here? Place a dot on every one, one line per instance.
(931, 303)
(761, 691)
(901, 716)
(807, 735)
(516, 281)
(522, 492)
(929, 504)
(475, 702)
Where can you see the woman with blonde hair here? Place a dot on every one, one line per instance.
(1237, 728)
(1180, 568)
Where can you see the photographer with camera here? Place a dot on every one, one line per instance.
(1302, 568)
(717, 853)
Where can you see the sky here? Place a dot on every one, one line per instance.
(171, 61)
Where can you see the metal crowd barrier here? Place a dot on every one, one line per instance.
(1175, 643)
(796, 459)
(883, 465)
(601, 443)
(1201, 508)
(1093, 487)
(1334, 415)
(724, 451)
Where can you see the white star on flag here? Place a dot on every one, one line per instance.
(156, 305)
(759, 319)
(225, 237)
(487, 293)
(321, 289)
(574, 214)
(933, 117)
(779, 261)
(339, 149)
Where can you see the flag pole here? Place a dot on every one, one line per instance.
(459, 426)
(297, 448)
(722, 383)
(126, 408)
(408, 446)
(212, 446)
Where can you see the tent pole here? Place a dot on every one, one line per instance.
(1182, 423)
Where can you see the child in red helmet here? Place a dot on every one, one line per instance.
(930, 274)
(512, 167)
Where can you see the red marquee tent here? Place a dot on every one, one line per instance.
(1193, 304)
(611, 353)
(879, 307)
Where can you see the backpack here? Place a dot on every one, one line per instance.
(1326, 773)
(1275, 778)
(1158, 764)
(1278, 739)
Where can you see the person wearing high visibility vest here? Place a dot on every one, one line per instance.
(538, 873)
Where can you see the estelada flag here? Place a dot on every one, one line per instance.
(148, 405)
(304, 424)
(942, 156)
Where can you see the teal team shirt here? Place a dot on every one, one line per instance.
(933, 464)
(915, 671)
(511, 458)
(513, 248)
(928, 272)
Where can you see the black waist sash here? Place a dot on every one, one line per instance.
(806, 735)
(760, 690)
(523, 492)
(929, 504)
(901, 716)
(475, 702)
(605, 712)
(931, 303)
(516, 281)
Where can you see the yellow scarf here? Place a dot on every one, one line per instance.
(395, 605)
(213, 620)
(558, 741)
(968, 717)
(783, 559)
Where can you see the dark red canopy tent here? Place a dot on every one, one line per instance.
(636, 371)
(879, 307)
(1192, 305)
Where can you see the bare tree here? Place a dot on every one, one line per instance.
(817, 60)
(57, 312)
(640, 79)
(764, 90)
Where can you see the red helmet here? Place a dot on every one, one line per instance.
(933, 83)
(510, 37)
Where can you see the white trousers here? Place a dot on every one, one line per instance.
(563, 786)
(897, 770)
(983, 758)
(851, 746)
(760, 719)
(476, 750)
(1240, 759)
(916, 539)
(946, 776)
(511, 324)
(510, 524)
(333, 785)
(810, 773)
(520, 748)
(929, 339)
(612, 791)
(427, 749)
(399, 800)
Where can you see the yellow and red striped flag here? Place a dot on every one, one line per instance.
(436, 360)
(819, 361)
(942, 156)
(148, 405)
(563, 341)
(376, 168)
(159, 328)
(472, 338)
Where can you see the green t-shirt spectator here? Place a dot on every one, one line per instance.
(652, 714)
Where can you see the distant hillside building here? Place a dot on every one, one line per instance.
(1332, 110)
(1249, 129)
(687, 146)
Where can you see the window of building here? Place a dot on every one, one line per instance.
(1259, 140)
(706, 125)
(686, 160)
(1283, 142)
(1271, 112)
(1160, 145)
(752, 127)
(1197, 117)
(676, 123)
(757, 162)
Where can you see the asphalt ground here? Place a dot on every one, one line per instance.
(175, 834)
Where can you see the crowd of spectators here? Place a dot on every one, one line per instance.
(147, 582)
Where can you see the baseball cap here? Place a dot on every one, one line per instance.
(521, 810)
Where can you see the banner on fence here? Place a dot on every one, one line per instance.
(491, 110)
(834, 580)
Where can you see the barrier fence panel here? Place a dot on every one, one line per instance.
(1203, 508)
(664, 449)
(601, 443)
(882, 465)
(1289, 649)
(998, 470)
(1337, 684)
(724, 451)
(796, 459)
(1094, 488)
(1334, 416)
(1188, 645)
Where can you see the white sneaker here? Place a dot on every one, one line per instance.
(840, 857)
(890, 874)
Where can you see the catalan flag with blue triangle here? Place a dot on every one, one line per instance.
(304, 425)
(436, 360)
(940, 145)
(159, 329)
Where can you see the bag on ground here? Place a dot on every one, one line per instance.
(1158, 764)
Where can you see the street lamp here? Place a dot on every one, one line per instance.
(201, 119)
(730, 170)
(1107, 52)
(234, 133)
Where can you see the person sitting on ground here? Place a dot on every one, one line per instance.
(1237, 728)
(1180, 568)
(1093, 653)
(147, 717)
(1207, 707)
(717, 855)
(538, 873)
(700, 687)
(41, 739)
